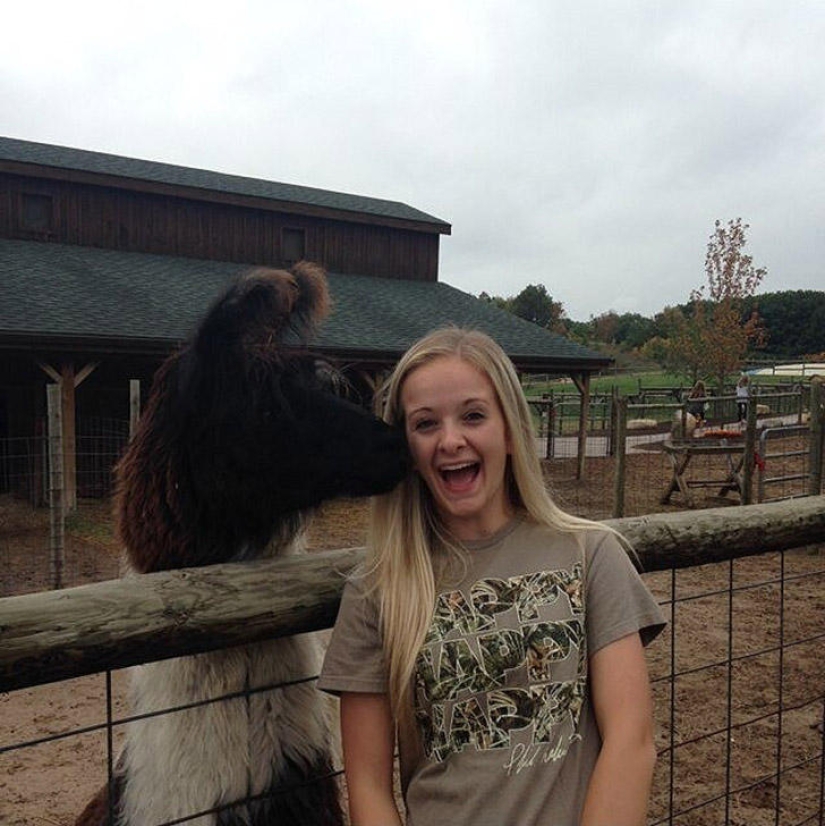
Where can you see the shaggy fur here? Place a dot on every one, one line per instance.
(676, 425)
(241, 437)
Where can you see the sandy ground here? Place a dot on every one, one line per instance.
(45, 781)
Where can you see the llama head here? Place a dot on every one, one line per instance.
(243, 433)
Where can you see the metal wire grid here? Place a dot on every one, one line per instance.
(701, 811)
(113, 723)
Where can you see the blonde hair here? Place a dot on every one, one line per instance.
(407, 547)
(698, 390)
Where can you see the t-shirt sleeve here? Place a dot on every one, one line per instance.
(618, 601)
(355, 659)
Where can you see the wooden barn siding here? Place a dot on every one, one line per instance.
(138, 222)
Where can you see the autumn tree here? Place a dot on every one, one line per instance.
(679, 345)
(605, 326)
(714, 338)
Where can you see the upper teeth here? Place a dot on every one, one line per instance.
(458, 467)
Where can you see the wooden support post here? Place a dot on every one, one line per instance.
(619, 445)
(134, 406)
(817, 448)
(57, 509)
(68, 381)
(67, 402)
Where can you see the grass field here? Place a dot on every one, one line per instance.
(631, 383)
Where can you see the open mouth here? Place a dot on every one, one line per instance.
(459, 478)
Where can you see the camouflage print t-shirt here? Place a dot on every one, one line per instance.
(504, 728)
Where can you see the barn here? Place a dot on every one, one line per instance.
(106, 262)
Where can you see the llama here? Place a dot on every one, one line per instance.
(240, 439)
(686, 432)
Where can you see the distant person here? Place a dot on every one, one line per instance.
(742, 393)
(696, 402)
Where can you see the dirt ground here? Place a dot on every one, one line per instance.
(45, 781)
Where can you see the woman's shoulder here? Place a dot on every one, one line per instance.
(580, 535)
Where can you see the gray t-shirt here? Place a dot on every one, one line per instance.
(504, 728)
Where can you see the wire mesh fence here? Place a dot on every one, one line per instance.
(740, 692)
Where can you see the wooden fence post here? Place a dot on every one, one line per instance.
(549, 451)
(750, 451)
(817, 449)
(57, 510)
(614, 411)
(619, 444)
(584, 420)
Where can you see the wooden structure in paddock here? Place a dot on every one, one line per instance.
(732, 452)
(58, 635)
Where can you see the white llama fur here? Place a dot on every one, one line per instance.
(189, 761)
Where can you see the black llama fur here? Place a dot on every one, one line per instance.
(241, 437)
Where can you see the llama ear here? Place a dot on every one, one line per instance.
(262, 305)
(313, 302)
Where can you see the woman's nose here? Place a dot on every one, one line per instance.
(452, 437)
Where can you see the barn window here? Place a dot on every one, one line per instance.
(293, 245)
(36, 212)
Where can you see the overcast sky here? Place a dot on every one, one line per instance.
(587, 146)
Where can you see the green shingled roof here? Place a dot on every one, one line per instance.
(80, 293)
(61, 157)
(388, 314)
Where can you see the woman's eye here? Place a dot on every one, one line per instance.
(474, 416)
(423, 424)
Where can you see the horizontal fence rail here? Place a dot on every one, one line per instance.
(58, 635)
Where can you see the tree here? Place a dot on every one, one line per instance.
(605, 327)
(794, 319)
(731, 274)
(496, 301)
(680, 348)
(633, 330)
(533, 304)
(714, 338)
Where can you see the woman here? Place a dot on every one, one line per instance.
(501, 637)
(696, 402)
(742, 393)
